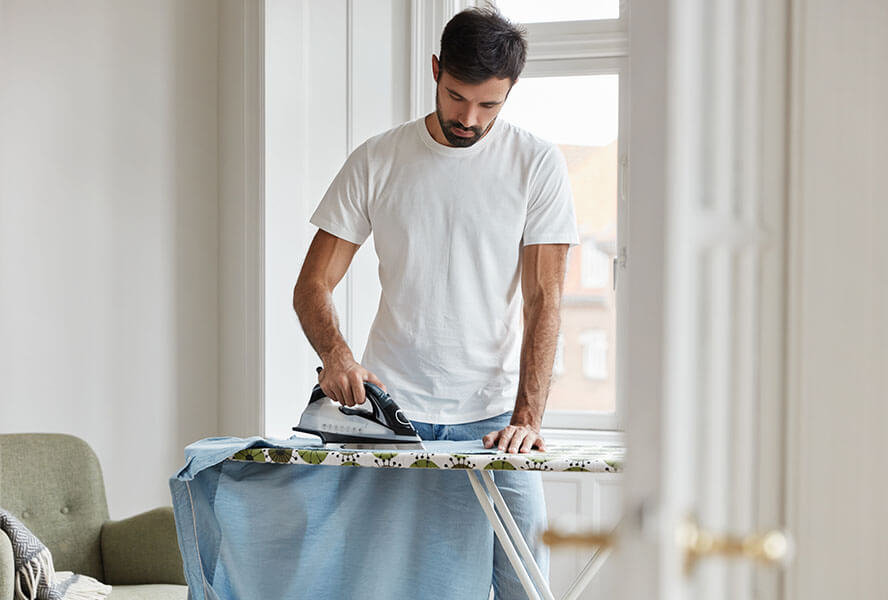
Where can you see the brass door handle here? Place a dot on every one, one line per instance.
(554, 537)
(775, 547)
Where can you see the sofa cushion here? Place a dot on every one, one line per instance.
(53, 484)
(149, 592)
(142, 549)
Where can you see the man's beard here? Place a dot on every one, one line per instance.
(447, 129)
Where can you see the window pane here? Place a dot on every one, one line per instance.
(594, 344)
(536, 11)
(581, 115)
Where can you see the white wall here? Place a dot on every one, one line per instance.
(108, 231)
(336, 73)
(838, 310)
(288, 355)
(241, 200)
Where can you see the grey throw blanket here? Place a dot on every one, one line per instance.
(35, 576)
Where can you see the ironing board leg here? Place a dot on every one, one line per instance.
(502, 536)
(587, 574)
(506, 516)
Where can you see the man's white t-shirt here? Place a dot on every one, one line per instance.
(448, 226)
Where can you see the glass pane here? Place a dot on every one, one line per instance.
(536, 11)
(581, 115)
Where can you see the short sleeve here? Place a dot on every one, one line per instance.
(343, 210)
(550, 209)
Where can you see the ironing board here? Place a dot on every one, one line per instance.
(472, 457)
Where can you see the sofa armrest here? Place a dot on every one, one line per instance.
(7, 568)
(142, 549)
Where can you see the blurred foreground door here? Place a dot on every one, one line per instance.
(704, 474)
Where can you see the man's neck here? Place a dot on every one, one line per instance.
(434, 128)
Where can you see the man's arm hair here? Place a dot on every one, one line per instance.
(328, 258)
(542, 284)
(325, 264)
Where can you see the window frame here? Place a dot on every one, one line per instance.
(592, 258)
(584, 25)
(575, 48)
(593, 341)
(604, 65)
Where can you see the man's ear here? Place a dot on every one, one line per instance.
(435, 67)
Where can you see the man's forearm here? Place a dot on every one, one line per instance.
(317, 315)
(542, 319)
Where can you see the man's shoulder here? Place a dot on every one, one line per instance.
(391, 137)
(524, 140)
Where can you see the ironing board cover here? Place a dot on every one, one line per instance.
(444, 455)
(269, 524)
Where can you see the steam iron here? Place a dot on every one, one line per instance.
(385, 426)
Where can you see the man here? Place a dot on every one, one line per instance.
(465, 208)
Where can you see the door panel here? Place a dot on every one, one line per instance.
(585, 500)
(721, 327)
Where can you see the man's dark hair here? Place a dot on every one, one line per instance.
(479, 43)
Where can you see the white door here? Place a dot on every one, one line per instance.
(706, 319)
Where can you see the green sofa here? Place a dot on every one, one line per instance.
(53, 484)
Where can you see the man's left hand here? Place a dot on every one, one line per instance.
(515, 439)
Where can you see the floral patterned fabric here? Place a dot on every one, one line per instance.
(446, 455)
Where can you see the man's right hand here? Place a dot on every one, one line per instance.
(343, 381)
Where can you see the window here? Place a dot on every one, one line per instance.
(535, 11)
(558, 366)
(594, 343)
(594, 265)
(573, 92)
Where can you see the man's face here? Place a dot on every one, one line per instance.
(467, 110)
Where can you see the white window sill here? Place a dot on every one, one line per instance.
(584, 436)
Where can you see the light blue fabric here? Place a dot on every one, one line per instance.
(256, 530)
(523, 493)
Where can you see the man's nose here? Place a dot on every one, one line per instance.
(469, 117)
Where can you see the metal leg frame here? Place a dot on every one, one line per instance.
(488, 506)
(506, 517)
(504, 520)
(587, 574)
